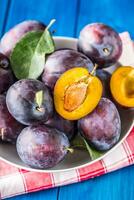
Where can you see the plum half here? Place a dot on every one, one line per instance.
(76, 93)
(122, 86)
(102, 127)
(42, 147)
(29, 101)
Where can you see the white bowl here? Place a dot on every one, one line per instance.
(79, 158)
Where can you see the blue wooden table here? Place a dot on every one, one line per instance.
(71, 16)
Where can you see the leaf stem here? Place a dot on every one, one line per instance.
(78, 146)
(39, 98)
(50, 24)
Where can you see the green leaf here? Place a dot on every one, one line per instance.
(28, 57)
(80, 142)
(39, 98)
(94, 154)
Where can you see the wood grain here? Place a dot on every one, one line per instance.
(63, 11)
(71, 16)
(3, 13)
(117, 13)
(114, 186)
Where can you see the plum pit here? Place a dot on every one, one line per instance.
(75, 95)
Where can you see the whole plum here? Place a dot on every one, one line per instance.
(101, 43)
(102, 127)
(63, 125)
(29, 101)
(62, 60)
(105, 77)
(10, 38)
(42, 147)
(9, 127)
(6, 76)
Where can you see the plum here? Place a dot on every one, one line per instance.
(9, 127)
(6, 75)
(10, 38)
(42, 147)
(100, 43)
(29, 101)
(102, 127)
(63, 125)
(62, 60)
(105, 77)
(4, 61)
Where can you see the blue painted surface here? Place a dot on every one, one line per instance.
(71, 16)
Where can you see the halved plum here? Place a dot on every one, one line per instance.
(122, 86)
(77, 93)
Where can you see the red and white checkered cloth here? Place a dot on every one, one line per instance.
(15, 181)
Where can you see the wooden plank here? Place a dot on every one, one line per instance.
(116, 185)
(119, 184)
(65, 14)
(62, 11)
(4, 5)
(50, 194)
(116, 13)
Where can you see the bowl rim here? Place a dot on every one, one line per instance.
(56, 39)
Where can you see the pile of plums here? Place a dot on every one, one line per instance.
(27, 110)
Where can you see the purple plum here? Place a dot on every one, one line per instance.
(29, 101)
(63, 125)
(13, 36)
(100, 43)
(9, 127)
(42, 147)
(6, 75)
(62, 60)
(102, 127)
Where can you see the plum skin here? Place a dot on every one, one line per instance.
(42, 147)
(63, 125)
(6, 75)
(4, 61)
(11, 127)
(62, 60)
(9, 40)
(94, 41)
(21, 102)
(102, 127)
(105, 77)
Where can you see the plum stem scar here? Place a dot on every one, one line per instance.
(71, 150)
(40, 109)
